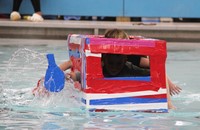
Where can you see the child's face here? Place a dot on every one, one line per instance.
(114, 63)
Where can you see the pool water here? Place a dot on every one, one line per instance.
(23, 63)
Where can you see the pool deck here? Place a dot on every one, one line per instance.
(59, 29)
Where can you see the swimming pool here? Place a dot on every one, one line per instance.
(23, 62)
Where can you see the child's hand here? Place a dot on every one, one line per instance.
(72, 76)
(174, 89)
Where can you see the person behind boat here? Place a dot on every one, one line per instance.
(36, 17)
(116, 65)
(138, 60)
(143, 61)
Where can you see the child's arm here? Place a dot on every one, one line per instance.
(65, 65)
(144, 62)
(173, 89)
(140, 71)
(137, 71)
(75, 76)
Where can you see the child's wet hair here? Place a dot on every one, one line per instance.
(116, 33)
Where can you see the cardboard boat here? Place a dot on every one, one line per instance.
(147, 93)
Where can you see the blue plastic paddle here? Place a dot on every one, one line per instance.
(54, 77)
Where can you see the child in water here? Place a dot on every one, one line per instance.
(116, 65)
(143, 61)
(124, 66)
(138, 60)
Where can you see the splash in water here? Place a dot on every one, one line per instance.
(24, 69)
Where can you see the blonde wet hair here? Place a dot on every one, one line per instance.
(116, 33)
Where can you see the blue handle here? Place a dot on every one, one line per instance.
(54, 77)
(51, 60)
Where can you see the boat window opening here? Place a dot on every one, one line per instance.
(124, 67)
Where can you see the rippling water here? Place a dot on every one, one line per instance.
(22, 66)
